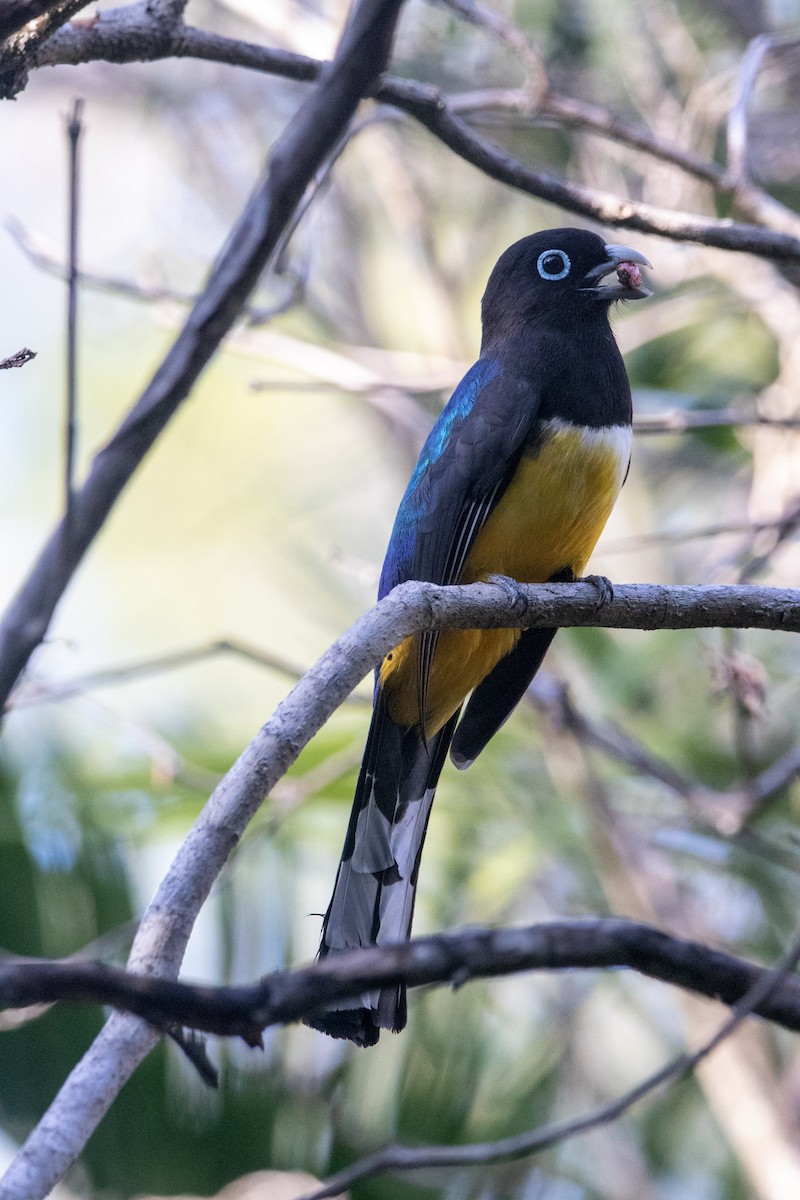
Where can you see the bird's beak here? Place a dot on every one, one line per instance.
(625, 261)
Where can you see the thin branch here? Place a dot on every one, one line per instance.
(782, 527)
(74, 129)
(33, 692)
(128, 34)
(116, 942)
(447, 958)
(509, 35)
(726, 811)
(749, 69)
(194, 1048)
(685, 420)
(43, 257)
(578, 114)
(17, 360)
(772, 781)
(552, 697)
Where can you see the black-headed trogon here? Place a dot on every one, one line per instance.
(517, 478)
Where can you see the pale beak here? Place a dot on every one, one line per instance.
(625, 261)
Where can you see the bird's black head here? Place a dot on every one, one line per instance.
(557, 271)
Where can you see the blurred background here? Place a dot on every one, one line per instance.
(632, 783)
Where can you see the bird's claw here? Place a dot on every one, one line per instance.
(514, 590)
(604, 587)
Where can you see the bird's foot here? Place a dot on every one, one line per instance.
(604, 586)
(514, 590)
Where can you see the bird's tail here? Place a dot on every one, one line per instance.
(373, 897)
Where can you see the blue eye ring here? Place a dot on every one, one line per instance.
(566, 266)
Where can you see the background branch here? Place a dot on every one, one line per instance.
(407, 1158)
(19, 359)
(129, 34)
(447, 958)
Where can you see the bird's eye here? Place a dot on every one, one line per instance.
(553, 265)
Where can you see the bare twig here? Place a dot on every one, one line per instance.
(749, 69)
(687, 420)
(771, 782)
(549, 695)
(74, 129)
(17, 360)
(42, 256)
(782, 527)
(509, 35)
(115, 943)
(726, 811)
(129, 34)
(33, 692)
(194, 1048)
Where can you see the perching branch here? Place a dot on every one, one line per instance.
(168, 921)
(35, 693)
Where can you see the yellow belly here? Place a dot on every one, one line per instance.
(548, 519)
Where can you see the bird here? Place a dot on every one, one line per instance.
(515, 482)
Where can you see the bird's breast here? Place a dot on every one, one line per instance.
(554, 509)
(547, 520)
